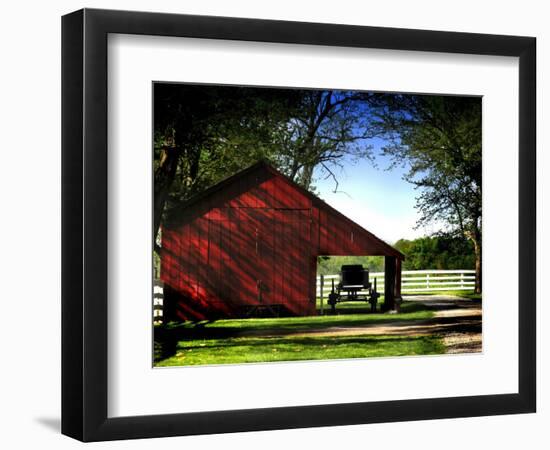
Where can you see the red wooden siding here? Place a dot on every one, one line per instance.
(252, 240)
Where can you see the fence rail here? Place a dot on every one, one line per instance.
(413, 281)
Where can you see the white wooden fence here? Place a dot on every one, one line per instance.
(158, 299)
(413, 281)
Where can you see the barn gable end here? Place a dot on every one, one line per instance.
(252, 241)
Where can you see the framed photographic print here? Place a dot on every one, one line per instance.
(273, 224)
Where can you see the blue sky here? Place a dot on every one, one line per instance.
(376, 198)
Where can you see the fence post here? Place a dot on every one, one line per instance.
(461, 280)
(322, 285)
(428, 281)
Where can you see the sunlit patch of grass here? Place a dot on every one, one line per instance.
(457, 293)
(231, 341)
(271, 349)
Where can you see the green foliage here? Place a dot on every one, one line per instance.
(439, 139)
(438, 253)
(442, 252)
(330, 265)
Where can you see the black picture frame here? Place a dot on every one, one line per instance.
(84, 224)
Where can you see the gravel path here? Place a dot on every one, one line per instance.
(467, 340)
(456, 319)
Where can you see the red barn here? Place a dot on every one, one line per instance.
(253, 239)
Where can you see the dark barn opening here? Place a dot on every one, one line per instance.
(358, 282)
(248, 246)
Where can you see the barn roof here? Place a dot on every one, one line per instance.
(263, 165)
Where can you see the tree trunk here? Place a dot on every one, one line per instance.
(390, 267)
(475, 237)
(307, 175)
(294, 169)
(164, 177)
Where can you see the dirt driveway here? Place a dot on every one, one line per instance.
(459, 321)
(456, 319)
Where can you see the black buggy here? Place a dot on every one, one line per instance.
(354, 286)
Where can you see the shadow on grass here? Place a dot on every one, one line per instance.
(360, 308)
(167, 338)
(245, 350)
(292, 341)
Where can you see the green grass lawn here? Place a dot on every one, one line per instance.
(458, 293)
(249, 349)
(357, 305)
(235, 341)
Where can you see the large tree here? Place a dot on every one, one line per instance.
(439, 139)
(327, 127)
